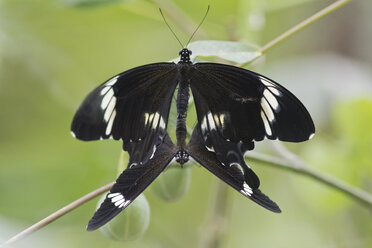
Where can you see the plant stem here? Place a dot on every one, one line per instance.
(322, 13)
(304, 24)
(58, 214)
(300, 167)
(214, 228)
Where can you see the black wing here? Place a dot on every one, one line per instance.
(245, 106)
(132, 182)
(132, 106)
(235, 107)
(237, 175)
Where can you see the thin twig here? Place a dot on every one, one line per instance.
(214, 229)
(300, 167)
(58, 214)
(322, 13)
(304, 24)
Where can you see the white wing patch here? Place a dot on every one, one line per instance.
(110, 109)
(204, 127)
(266, 124)
(108, 104)
(271, 99)
(105, 89)
(162, 124)
(267, 109)
(247, 191)
(107, 98)
(212, 125)
(269, 105)
(112, 81)
(118, 200)
(156, 120)
(110, 123)
(211, 149)
(153, 152)
(149, 120)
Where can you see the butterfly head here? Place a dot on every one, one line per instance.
(185, 55)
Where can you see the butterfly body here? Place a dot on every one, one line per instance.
(235, 107)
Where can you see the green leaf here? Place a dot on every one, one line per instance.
(232, 51)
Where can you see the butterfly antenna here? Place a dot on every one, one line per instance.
(205, 16)
(161, 12)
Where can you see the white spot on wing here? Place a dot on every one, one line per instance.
(156, 121)
(112, 81)
(105, 89)
(267, 109)
(109, 109)
(211, 149)
(246, 190)
(73, 134)
(211, 123)
(271, 99)
(111, 195)
(106, 99)
(266, 124)
(162, 123)
(222, 120)
(153, 152)
(203, 125)
(118, 200)
(275, 91)
(110, 123)
(311, 136)
(146, 118)
(151, 116)
(126, 203)
(266, 82)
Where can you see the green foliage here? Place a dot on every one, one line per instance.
(344, 152)
(351, 121)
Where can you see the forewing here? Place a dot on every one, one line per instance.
(246, 106)
(132, 182)
(132, 106)
(238, 176)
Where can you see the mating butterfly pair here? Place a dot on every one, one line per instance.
(234, 106)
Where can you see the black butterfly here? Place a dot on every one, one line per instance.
(234, 106)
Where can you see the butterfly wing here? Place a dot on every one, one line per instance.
(132, 182)
(235, 107)
(243, 105)
(132, 106)
(237, 175)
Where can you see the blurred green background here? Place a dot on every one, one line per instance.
(52, 53)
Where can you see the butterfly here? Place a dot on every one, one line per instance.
(235, 107)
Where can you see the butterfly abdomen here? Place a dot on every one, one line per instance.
(182, 104)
